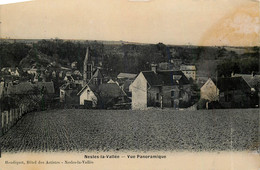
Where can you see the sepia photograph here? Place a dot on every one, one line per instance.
(130, 84)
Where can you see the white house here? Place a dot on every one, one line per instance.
(189, 71)
(101, 96)
(209, 91)
(160, 89)
(87, 96)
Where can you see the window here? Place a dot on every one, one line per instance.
(157, 96)
(95, 81)
(172, 93)
(88, 75)
(89, 67)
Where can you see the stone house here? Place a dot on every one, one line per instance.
(160, 89)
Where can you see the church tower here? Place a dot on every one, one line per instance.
(87, 68)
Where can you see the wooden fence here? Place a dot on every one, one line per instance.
(10, 117)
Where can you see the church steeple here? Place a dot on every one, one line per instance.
(87, 68)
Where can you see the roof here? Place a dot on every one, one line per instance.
(126, 75)
(165, 78)
(110, 90)
(126, 85)
(105, 90)
(97, 74)
(71, 86)
(202, 80)
(253, 81)
(188, 67)
(76, 77)
(27, 87)
(232, 83)
(70, 78)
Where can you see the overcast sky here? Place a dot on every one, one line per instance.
(196, 22)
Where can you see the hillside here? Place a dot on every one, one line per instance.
(119, 56)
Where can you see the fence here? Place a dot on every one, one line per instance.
(10, 117)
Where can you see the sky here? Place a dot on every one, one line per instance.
(177, 22)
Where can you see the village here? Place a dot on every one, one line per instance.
(172, 85)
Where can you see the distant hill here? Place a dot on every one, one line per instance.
(118, 56)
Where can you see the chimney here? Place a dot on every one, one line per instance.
(154, 67)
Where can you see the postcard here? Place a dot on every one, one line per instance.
(130, 84)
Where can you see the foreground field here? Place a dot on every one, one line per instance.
(109, 130)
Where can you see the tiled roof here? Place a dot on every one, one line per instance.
(253, 81)
(110, 90)
(232, 83)
(97, 74)
(103, 91)
(165, 78)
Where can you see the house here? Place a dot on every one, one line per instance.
(176, 64)
(11, 71)
(253, 80)
(34, 70)
(68, 78)
(159, 88)
(77, 72)
(101, 96)
(201, 80)
(229, 92)
(25, 88)
(111, 81)
(234, 92)
(189, 71)
(74, 65)
(68, 93)
(126, 76)
(209, 91)
(167, 66)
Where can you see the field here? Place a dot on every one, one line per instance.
(124, 130)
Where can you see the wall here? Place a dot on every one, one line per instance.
(152, 97)
(139, 92)
(167, 98)
(239, 99)
(209, 91)
(90, 96)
